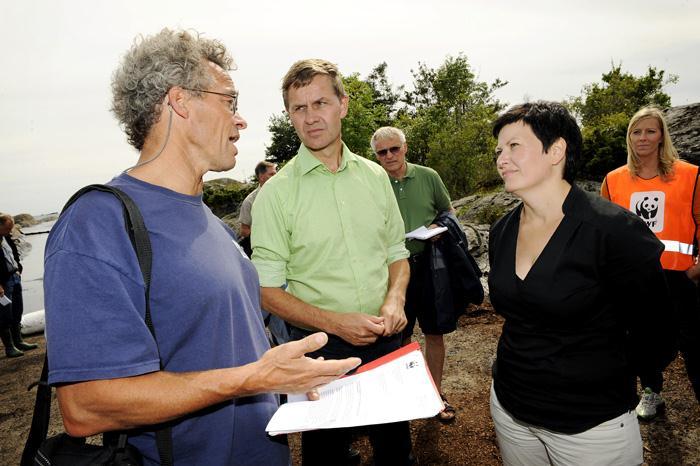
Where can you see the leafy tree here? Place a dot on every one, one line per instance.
(285, 141)
(364, 116)
(224, 195)
(604, 110)
(447, 118)
(450, 126)
(604, 146)
(384, 93)
(622, 92)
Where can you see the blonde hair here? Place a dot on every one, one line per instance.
(667, 152)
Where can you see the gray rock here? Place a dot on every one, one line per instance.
(684, 127)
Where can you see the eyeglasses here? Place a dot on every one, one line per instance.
(394, 150)
(234, 97)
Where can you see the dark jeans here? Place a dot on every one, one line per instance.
(12, 313)
(391, 443)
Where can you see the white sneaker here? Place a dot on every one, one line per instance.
(650, 405)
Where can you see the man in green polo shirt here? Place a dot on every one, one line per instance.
(421, 195)
(328, 226)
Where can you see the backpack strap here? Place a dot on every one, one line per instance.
(138, 235)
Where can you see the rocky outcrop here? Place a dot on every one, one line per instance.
(684, 127)
(25, 220)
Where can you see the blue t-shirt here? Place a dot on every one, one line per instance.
(205, 305)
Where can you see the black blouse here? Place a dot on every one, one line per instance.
(582, 322)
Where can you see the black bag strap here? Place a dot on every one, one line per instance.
(138, 235)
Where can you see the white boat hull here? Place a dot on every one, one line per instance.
(33, 322)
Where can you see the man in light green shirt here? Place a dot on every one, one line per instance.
(328, 226)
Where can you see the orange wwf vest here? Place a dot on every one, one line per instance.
(665, 206)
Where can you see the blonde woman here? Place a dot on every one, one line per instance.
(662, 190)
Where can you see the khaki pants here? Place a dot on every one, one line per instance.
(614, 442)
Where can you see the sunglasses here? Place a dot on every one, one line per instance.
(394, 150)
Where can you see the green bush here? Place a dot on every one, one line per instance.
(225, 197)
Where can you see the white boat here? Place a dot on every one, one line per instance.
(34, 322)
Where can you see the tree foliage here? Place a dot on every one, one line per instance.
(285, 141)
(447, 115)
(449, 124)
(365, 115)
(605, 109)
(384, 94)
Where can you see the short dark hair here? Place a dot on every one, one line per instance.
(549, 121)
(304, 71)
(262, 167)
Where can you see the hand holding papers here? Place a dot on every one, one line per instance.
(4, 300)
(395, 387)
(424, 233)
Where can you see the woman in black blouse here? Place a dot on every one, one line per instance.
(577, 279)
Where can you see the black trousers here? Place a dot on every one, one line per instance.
(11, 314)
(391, 443)
(685, 314)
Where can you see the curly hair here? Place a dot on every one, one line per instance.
(667, 152)
(151, 67)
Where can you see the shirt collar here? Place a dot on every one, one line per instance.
(307, 162)
(573, 199)
(410, 170)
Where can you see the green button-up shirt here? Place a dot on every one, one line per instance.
(421, 195)
(329, 236)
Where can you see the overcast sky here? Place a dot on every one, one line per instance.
(57, 134)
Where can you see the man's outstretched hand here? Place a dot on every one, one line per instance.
(287, 369)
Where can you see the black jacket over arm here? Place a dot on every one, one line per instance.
(454, 275)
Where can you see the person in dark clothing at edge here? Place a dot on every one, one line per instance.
(578, 280)
(11, 288)
(663, 190)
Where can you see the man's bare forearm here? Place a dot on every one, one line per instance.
(399, 275)
(297, 312)
(104, 405)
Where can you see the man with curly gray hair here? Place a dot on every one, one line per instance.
(178, 106)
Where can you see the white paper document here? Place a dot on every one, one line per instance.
(424, 233)
(396, 387)
(4, 300)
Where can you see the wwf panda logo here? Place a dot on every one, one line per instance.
(648, 207)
